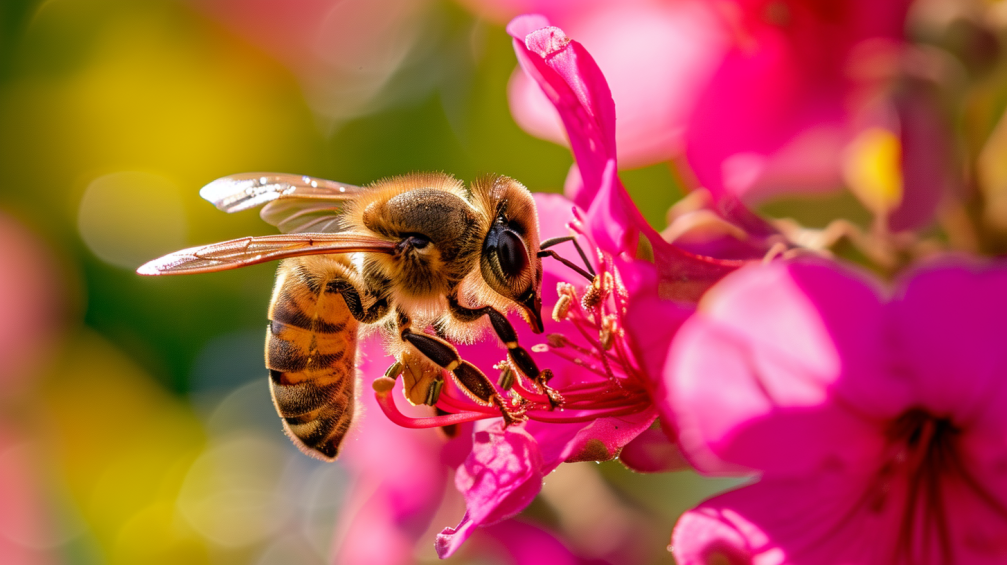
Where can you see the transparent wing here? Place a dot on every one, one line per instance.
(248, 190)
(253, 250)
(301, 216)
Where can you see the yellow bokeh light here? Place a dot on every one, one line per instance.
(872, 168)
(128, 218)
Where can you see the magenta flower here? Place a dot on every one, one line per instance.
(789, 94)
(875, 419)
(605, 397)
(575, 86)
(399, 478)
(657, 57)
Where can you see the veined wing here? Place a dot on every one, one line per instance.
(253, 250)
(301, 216)
(247, 190)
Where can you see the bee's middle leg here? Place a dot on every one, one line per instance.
(445, 356)
(518, 355)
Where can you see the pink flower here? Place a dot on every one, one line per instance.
(764, 97)
(605, 395)
(657, 57)
(399, 480)
(786, 99)
(576, 87)
(875, 419)
(606, 402)
(400, 476)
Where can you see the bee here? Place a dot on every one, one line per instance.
(421, 258)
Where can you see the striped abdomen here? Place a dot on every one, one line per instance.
(310, 351)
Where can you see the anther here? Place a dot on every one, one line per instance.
(592, 295)
(556, 340)
(562, 308)
(607, 333)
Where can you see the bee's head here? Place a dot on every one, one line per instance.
(510, 264)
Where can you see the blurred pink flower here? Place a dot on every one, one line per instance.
(31, 302)
(780, 108)
(399, 479)
(764, 97)
(32, 306)
(876, 419)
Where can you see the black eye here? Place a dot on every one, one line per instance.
(511, 253)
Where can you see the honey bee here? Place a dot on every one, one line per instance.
(410, 256)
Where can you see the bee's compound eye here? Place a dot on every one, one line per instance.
(511, 253)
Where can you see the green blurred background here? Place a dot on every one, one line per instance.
(136, 426)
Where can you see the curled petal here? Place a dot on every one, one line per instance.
(572, 81)
(499, 479)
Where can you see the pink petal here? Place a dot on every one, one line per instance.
(842, 514)
(950, 323)
(656, 58)
(527, 544)
(653, 452)
(399, 479)
(782, 83)
(499, 479)
(372, 531)
(753, 378)
(604, 438)
(819, 520)
(572, 81)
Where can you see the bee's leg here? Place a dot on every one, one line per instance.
(445, 356)
(518, 355)
(372, 314)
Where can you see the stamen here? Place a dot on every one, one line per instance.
(382, 392)
(593, 295)
(572, 417)
(530, 395)
(556, 341)
(608, 331)
(562, 308)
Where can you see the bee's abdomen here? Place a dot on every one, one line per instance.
(310, 353)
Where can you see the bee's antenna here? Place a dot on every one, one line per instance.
(554, 241)
(589, 274)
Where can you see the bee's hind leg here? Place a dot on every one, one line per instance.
(518, 355)
(445, 356)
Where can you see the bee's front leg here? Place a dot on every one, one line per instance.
(518, 355)
(445, 356)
